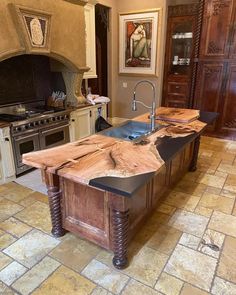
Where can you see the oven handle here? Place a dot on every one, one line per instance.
(28, 136)
(60, 127)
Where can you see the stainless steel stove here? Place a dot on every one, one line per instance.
(35, 129)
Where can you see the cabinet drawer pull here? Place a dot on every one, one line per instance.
(177, 87)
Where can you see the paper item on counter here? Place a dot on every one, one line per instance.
(102, 99)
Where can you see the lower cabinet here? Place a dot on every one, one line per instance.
(82, 121)
(7, 167)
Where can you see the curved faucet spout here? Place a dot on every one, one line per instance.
(152, 107)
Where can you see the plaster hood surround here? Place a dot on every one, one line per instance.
(55, 28)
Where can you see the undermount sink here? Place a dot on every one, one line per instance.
(129, 130)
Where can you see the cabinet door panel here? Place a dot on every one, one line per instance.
(216, 28)
(233, 38)
(208, 88)
(229, 113)
(80, 124)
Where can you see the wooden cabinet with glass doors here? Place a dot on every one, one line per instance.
(180, 44)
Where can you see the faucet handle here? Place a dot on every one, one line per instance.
(134, 105)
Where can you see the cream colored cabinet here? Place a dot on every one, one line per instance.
(80, 124)
(82, 121)
(7, 167)
(89, 13)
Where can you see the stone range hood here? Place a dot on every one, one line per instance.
(55, 28)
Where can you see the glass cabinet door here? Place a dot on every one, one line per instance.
(182, 47)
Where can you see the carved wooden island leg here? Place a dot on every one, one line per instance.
(54, 197)
(120, 222)
(193, 165)
(119, 207)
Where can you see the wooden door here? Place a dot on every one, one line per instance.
(209, 84)
(228, 120)
(216, 30)
(232, 54)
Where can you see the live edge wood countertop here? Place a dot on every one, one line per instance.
(117, 165)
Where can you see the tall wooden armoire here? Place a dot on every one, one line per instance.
(216, 75)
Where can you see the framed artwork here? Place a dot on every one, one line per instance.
(138, 40)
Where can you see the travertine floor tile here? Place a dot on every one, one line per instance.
(4, 290)
(6, 240)
(75, 253)
(182, 200)
(212, 190)
(146, 265)
(221, 287)
(163, 238)
(189, 222)
(32, 198)
(4, 261)
(227, 168)
(227, 264)
(100, 291)
(31, 248)
(106, 277)
(65, 281)
(185, 263)
(216, 202)
(15, 227)
(223, 223)
(8, 208)
(203, 211)
(16, 194)
(168, 285)
(189, 241)
(190, 187)
(190, 290)
(166, 209)
(230, 184)
(12, 272)
(37, 215)
(137, 288)
(35, 276)
(211, 237)
(228, 194)
(211, 180)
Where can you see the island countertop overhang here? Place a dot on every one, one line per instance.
(167, 148)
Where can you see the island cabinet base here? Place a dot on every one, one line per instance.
(108, 219)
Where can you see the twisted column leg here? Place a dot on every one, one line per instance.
(54, 196)
(193, 164)
(120, 221)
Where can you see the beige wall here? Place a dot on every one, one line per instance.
(67, 30)
(122, 97)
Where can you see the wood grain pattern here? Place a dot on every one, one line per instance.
(177, 115)
(99, 155)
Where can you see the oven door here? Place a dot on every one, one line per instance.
(56, 135)
(23, 144)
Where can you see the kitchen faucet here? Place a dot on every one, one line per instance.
(152, 108)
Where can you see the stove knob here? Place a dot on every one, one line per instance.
(18, 129)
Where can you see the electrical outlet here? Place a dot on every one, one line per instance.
(125, 84)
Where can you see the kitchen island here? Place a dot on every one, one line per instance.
(103, 188)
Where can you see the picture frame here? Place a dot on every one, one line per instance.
(138, 42)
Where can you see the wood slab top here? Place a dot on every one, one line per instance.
(102, 156)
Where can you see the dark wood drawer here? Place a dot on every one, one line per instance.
(176, 97)
(179, 88)
(177, 104)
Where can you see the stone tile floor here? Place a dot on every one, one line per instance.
(187, 247)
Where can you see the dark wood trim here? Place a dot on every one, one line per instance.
(120, 223)
(193, 165)
(54, 197)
